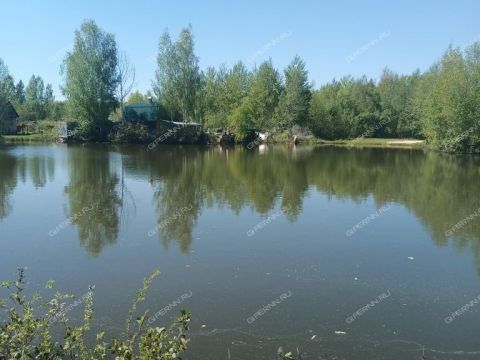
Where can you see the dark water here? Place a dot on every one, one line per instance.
(234, 230)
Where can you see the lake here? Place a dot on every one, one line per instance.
(345, 253)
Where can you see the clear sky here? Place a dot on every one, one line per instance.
(335, 38)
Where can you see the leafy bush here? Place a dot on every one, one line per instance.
(130, 133)
(180, 134)
(28, 332)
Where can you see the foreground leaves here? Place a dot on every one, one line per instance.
(33, 329)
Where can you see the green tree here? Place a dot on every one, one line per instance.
(20, 92)
(3, 87)
(326, 121)
(295, 100)
(136, 97)
(188, 75)
(242, 120)
(39, 100)
(34, 99)
(215, 101)
(224, 92)
(8, 88)
(346, 109)
(263, 95)
(396, 93)
(450, 108)
(91, 79)
(237, 84)
(177, 79)
(164, 84)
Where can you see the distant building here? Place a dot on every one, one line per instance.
(8, 119)
(145, 112)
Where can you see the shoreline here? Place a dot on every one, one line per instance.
(351, 143)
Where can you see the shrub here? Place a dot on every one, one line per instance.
(130, 133)
(28, 332)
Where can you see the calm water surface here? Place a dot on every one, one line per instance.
(234, 230)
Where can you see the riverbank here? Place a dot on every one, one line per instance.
(363, 142)
(371, 142)
(27, 138)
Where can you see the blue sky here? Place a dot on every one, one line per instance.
(335, 38)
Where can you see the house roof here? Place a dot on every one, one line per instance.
(141, 105)
(8, 111)
(141, 111)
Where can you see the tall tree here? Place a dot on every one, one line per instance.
(450, 106)
(177, 79)
(91, 79)
(164, 84)
(326, 121)
(237, 84)
(20, 92)
(214, 98)
(188, 74)
(39, 100)
(5, 92)
(8, 86)
(49, 101)
(295, 100)
(126, 79)
(35, 100)
(3, 75)
(264, 95)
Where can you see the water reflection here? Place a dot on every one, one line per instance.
(8, 182)
(38, 168)
(93, 197)
(440, 190)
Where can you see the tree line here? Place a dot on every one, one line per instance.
(33, 102)
(441, 104)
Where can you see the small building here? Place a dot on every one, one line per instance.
(145, 112)
(8, 119)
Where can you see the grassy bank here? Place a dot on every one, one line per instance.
(369, 142)
(34, 138)
(363, 142)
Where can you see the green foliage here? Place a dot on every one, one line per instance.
(34, 103)
(7, 90)
(177, 79)
(263, 95)
(39, 101)
(295, 100)
(91, 79)
(346, 109)
(441, 105)
(137, 97)
(133, 133)
(6, 83)
(451, 104)
(32, 327)
(224, 92)
(20, 95)
(397, 102)
(178, 135)
(241, 121)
